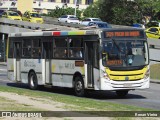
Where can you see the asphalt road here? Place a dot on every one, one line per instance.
(148, 98)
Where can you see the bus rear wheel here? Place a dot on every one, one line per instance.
(33, 82)
(79, 87)
(122, 93)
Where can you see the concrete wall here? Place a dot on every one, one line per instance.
(24, 5)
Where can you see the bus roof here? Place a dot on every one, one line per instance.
(75, 32)
(53, 33)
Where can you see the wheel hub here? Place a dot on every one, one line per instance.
(79, 86)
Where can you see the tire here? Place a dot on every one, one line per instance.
(79, 87)
(122, 93)
(32, 81)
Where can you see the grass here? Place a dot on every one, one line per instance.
(81, 103)
(154, 69)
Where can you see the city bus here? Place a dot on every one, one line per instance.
(114, 59)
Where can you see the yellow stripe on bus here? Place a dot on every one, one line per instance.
(131, 75)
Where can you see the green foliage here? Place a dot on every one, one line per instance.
(91, 11)
(155, 71)
(124, 12)
(64, 11)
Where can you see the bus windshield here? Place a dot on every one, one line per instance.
(124, 53)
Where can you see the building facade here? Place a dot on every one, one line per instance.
(43, 6)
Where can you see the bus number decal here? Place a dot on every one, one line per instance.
(29, 64)
(69, 65)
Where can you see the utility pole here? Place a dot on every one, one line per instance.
(75, 10)
(4, 47)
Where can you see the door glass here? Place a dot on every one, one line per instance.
(17, 50)
(47, 50)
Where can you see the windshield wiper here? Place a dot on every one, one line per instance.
(120, 50)
(116, 45)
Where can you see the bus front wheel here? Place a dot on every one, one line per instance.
(122, 93)
(33, 83)
(79, 86)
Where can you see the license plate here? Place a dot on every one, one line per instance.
(127, 85)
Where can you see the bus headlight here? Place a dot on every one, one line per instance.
(105, 75)
(147, 74)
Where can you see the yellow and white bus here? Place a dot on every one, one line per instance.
(115, 59)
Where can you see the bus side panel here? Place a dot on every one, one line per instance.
(96, 74)
(31, 64)
(10, 68)
(63, 71)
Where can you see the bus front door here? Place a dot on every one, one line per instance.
(17, 65)
(47, 52)
(89, 55)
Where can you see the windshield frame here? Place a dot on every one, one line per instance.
(35, 15)
(13, 14)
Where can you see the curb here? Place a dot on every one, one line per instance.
(158, 82)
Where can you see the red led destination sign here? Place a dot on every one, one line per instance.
(123, 34)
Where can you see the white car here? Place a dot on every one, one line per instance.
(68, 19)
(87, 20)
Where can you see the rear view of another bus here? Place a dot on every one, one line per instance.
(125, 60)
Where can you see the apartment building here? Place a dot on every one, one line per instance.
(43, 6)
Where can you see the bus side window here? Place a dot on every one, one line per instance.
(60, 47)
(76, 47)
(10, 52)
(27, 48)
(36, 48)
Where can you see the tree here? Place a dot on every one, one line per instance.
(149, 7)
(119, 11)
(63, 11)
(123, 12)
(91, 11)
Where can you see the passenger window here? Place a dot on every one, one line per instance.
(60, 47)
(76, 47)
(10, 55)
(36, 50)
(27, 48)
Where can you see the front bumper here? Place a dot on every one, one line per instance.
(128, 85)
